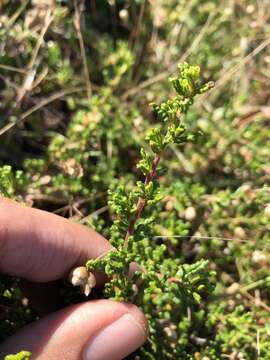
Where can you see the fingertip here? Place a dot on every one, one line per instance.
(119, 338)
(76, 331)
(139, 317)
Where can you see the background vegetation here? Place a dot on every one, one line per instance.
(76, 79)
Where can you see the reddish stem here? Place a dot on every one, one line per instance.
(141, 202)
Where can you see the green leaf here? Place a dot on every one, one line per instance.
(23, 355)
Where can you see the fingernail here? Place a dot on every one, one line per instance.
(116, 340)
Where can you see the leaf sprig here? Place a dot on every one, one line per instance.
(139, 271)
(128, 230)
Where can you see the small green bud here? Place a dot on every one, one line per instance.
(155, 140)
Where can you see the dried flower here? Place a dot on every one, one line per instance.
(80, 276)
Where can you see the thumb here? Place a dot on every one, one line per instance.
(95, 330)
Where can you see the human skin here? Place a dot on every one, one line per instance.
(41, 247)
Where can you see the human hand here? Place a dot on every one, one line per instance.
(43, 247)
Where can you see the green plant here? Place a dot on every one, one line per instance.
(23, 355)
(62, 150)
(161, 286)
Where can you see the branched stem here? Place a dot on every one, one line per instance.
(141, 202)
(187, 86)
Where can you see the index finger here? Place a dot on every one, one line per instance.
(40, 246)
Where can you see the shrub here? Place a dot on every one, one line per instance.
(66, 140)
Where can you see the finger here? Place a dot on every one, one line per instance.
(98, 330)
(41, 246)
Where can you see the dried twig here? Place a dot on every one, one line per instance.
(40, 105)
(77, 24)
(228, 73)
(171, 69)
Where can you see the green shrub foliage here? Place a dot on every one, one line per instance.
(22, 355)
(180, 187)
(164, 291)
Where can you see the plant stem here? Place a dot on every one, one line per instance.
(141, 202)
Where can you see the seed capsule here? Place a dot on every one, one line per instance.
(78, 276)
(86, 289)
(91, 280)
(233, 288)
(239, 232)
(83, 278)
(190, 213)
(258, 257)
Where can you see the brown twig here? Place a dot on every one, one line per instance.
(171, 69)
(41, 104)
(12, 68)
(141, 202)
(95, 213)
(77, 24)
(29, 72)
(229, 73)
